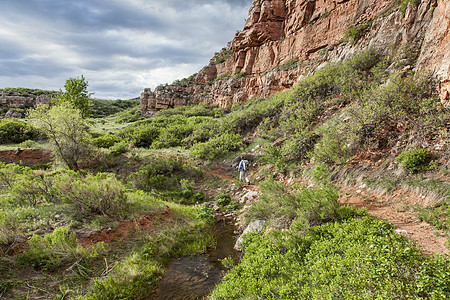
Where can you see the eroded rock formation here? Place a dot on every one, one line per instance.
(14, 100)
(282, 39)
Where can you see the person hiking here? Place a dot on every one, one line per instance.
(243, 168)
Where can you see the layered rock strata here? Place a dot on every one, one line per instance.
(14, 101)
(284, 39)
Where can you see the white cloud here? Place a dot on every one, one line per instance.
(121, 47)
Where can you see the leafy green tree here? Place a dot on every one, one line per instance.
(67, 132)
(76, 94)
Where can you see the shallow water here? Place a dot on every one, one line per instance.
(194, 277)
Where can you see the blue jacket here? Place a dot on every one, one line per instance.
(243, 165)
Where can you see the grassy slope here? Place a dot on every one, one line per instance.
(347, 122)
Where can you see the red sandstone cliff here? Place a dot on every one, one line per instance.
(282, 39)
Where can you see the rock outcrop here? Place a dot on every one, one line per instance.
(284, 39)
(21, 99)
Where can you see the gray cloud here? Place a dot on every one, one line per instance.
(120, 46)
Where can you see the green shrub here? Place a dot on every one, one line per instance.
(59, 248)
(10, 173)
(119, 148)
(205, 214)
(33, 188)
(142, 135)
(331, 148)
(202, 133)
(93, 195)
(106, 140)
(28, 144)
(354, 33)
(14, 131)
(223, 200)
(159, 173)
(217, 146)
(355, 259)
(102, 108)
(415, 160)
(305, 206)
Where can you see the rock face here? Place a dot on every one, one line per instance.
(283, 39)
(255, 226)
(9, 101)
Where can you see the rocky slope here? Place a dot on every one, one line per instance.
(283, 40)
(22, 98)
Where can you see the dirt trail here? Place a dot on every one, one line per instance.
(392, 208)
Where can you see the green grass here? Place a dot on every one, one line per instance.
(127, 269)
(355, 259)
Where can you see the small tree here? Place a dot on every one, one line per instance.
(67, 131)
(76, 94)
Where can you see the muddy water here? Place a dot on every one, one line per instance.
(194, 277)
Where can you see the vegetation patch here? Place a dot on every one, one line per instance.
(15, 131)
(289, 65)
(415, 160)
(356, 258)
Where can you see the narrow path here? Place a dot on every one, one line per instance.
(426, 237)
(390, 208)
(218, 173)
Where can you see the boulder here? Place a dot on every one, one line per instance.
(255, 226)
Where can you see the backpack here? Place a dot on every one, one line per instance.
(244, 165)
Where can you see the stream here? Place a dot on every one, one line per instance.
(194, 277)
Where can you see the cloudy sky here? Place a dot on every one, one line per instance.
(120, 46)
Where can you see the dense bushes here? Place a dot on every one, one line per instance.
(163, 132)
(415, 160)
(191, 126)
(217, 146)
(354, 259)
(102, 108)
(55, 202)
(170, 178)
(31, 199)
(14, 131)
(60, 248)
(89, 196)
(303, 206)
(345, 107)
(106, 140)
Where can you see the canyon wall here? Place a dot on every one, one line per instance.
(18, 99)
(285, 39)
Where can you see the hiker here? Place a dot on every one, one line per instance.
(243, 167)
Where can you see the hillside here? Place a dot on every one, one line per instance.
(20, 99)
(284, 40)
(346, 133)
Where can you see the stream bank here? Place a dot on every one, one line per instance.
(194, 277)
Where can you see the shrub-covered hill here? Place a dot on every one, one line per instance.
(99, 108)
(363, 121)
(366, 120)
